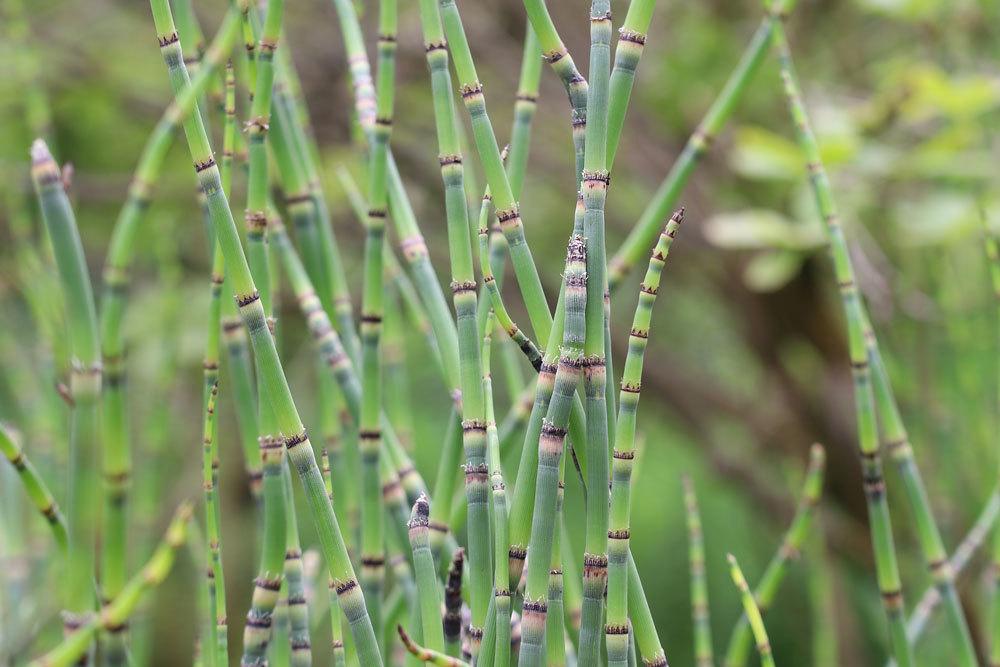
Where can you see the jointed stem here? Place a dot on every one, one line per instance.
(871, 462)
(617, 629)
(753, 613)
(699, 584)
(34, 485)
(279, 397)
(791, 546)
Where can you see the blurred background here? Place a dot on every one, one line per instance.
(747, 364)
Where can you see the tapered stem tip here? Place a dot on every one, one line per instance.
(40, 151)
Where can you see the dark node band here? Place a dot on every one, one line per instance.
(245, 300)
(611, 629)
(551, 430)
(535, 606)
(471, 90)
(167, 40)
(470, 425)
(618, 534)
(466, 286)
(202, 166)
(377, 213)
(296, 439)
(345, 586)
(631, 36)
(553, 56)
(526, 97)
(268, 584)
(647, 289)
(372, 561)
(624, 455)
(594, 560)
(597, 177)
(383, 121)
(547, 368)
(436, 46)
(508, 214)
(631, 387)
(517, 553)
(370, 434)
(371, 319)
(300, 644)
(292, 200)
(262, 621)
(387, 38)
(606, 16)
(450, 158)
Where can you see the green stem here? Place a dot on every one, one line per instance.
(699, 584)
(426, 575)
(791, 546)
(753, 613)
(269, 366)
(550, 449)
(631, 42)
(617, 630)
(633, 249)
(298, 611)
(880, 522)
(428, 655)
(34, 485)
(117, 612)
(85, 382)
(336, 615)
(595, 372)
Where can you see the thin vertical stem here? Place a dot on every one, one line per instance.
(871, 463)
(85, 382)
(699, 584)
(617, 630)
(993, 255)
(550, 449)
(428, 594)
(790, 549)
(753, 613)
(34, 485)
(594, 187)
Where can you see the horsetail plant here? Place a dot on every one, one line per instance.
(34, 486)
(218, 647)
(498, 505)
(369, 435)
(428, 655)
(291, 431)
(594, 188)
(790, 549)
(85, 383)
(623, 455)
(646, 227)
(115, 613)
(752, 611)
(336, 616)
(993, 256)
(631, 42)
(880, 523)
(550, 450)
(700, 618)
(298, 612)
(426, 575)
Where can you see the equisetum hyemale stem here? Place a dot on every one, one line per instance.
(700, 618)
(34, 485)
(426, 575)
(336, 616)
(594, 187)
(427, 655)
(880, 523)
(219, 632)
(501, 566)
(85, 383)
(370, 433)
(117, 612)
(278, 395)
(753, 613)
(631, 42)
(993, 256)
(665, 198)
(550, 450)
(623, 456)
(790, 549)
(554, 52)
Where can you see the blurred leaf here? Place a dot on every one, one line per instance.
(936, 218)
(761, 228)
(770, 271)
(760, 153)
(913, 10)
(934, 92)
